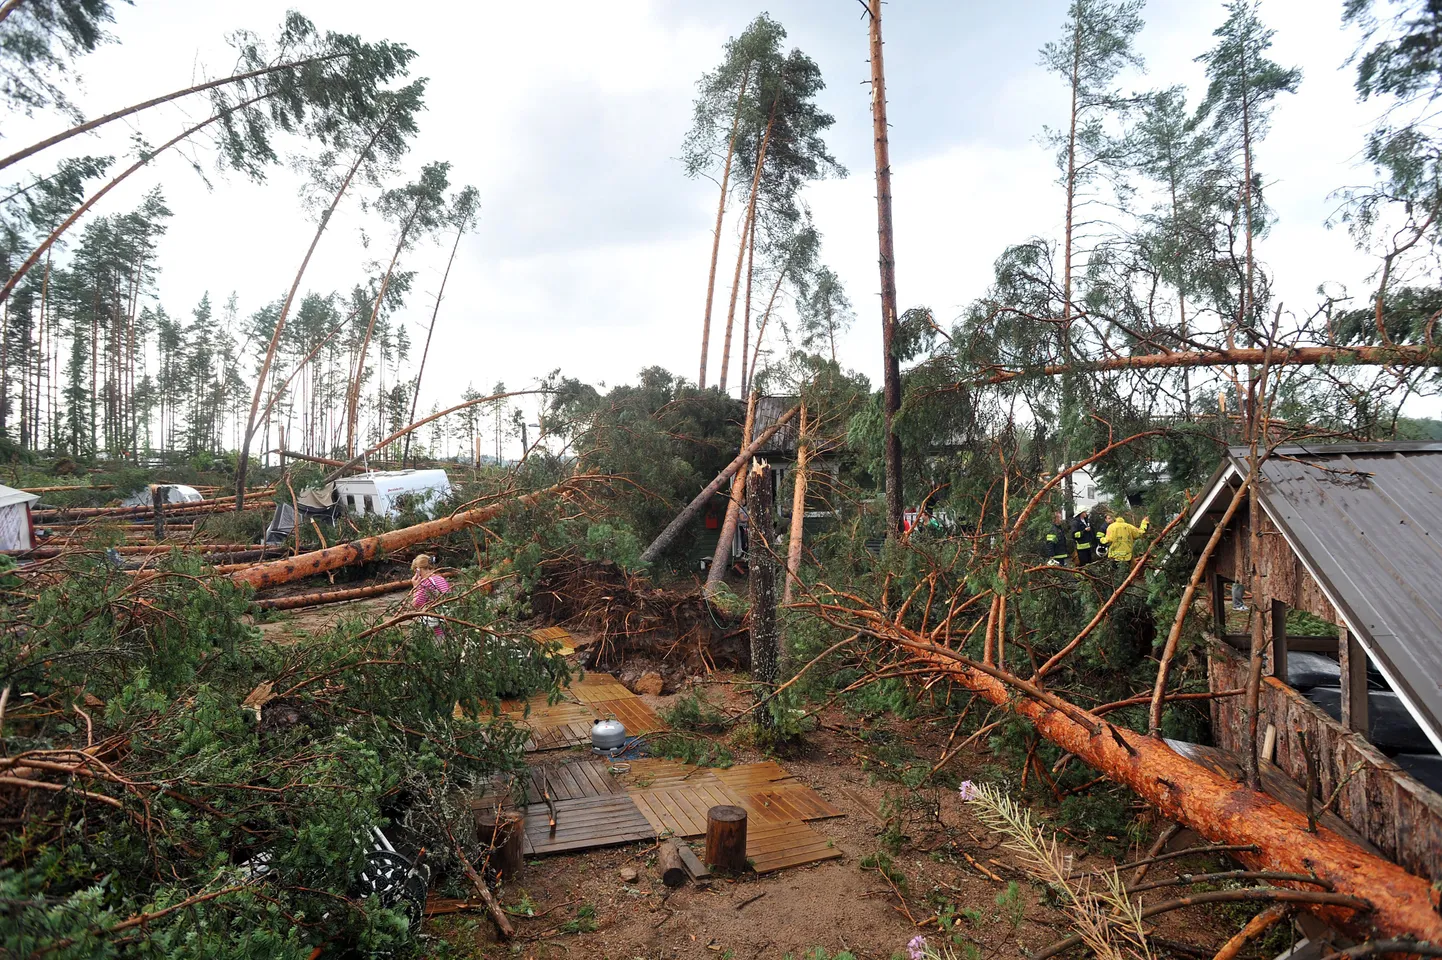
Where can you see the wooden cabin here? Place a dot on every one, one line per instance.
(1347, 585)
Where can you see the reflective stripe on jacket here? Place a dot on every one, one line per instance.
(1120, 537)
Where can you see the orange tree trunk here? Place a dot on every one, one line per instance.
(1217, 808)
(356, 552)
(720, 559)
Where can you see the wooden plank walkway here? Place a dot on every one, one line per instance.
(680, 810)
(787, 801)
(599, 686)
(558, 635)
(789, 843)
(632, 711)
(573, 781)
(585, 824)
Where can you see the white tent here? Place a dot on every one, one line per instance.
(16, 530)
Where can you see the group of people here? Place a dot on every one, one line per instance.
(1080, 536)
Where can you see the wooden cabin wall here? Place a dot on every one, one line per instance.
(1394, 812)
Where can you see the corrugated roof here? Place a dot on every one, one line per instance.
(9, 495)
(1366, 522)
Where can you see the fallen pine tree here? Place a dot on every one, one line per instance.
(320, 598)
(1180, 789)
(366, 549)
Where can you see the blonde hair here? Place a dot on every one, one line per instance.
(422, 562)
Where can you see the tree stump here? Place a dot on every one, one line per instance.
(505, 833)
(726, 838)
(669, 865)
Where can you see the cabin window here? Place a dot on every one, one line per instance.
(370, 506)
(350, 502)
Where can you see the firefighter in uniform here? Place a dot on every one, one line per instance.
(1083, 538)
(1058, 541)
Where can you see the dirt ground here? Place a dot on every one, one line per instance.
(581, 906)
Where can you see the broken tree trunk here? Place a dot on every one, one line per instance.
(720, 559)
(664, 538)
(765, 652)
(356, 552)
(333, 596)
(1211, 804)
(798, 511)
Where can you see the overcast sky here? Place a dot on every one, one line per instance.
(592, 246)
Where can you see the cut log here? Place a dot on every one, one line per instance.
(726, 838)
(506, 834)
(682, 519)
(670, 865)
(332, 596)
(356, 552)
(1216, 807)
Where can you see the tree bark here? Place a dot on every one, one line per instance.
(1208, 802)
(746, 313)
(716, 240)
(669, 865)
(356, 552)
(425, 351)
(692, 509)
(1415, 355)
(891, 376)
(765, 648)
(721, 557)
(798, 510)
(746, 227)
(726, 838)
(1068, 400)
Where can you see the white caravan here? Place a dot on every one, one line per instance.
(385, 492)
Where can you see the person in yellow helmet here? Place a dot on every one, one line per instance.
(1120, 538)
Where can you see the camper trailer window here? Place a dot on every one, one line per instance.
(370, 506)
(350, 501)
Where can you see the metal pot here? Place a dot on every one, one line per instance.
(608, 734)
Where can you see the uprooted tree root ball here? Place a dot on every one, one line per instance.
(630, 618)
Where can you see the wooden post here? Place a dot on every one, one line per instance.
(506, 835)
(765, 653)
(157, 506)
(669, 865)
(1353, 661)
(1279, 640)
(726, 838)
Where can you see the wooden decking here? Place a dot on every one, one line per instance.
(567, 723)
(599, 803)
